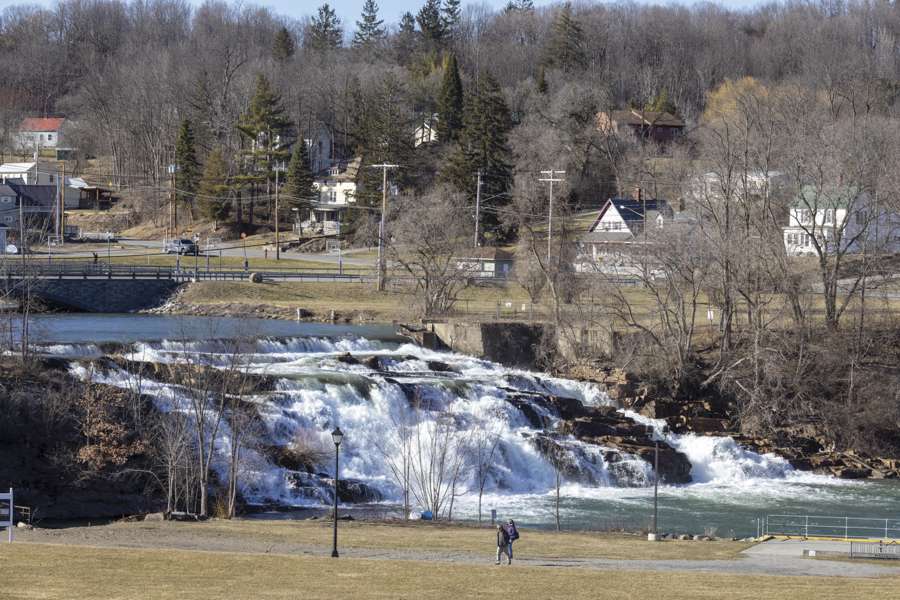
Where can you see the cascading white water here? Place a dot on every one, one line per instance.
(318, 387)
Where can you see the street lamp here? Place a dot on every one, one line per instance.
(654, 534)
(337, 435)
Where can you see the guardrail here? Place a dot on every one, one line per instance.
(875, 550)
(834, 527)
(89, 270)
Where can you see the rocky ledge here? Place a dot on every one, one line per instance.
(801, 444)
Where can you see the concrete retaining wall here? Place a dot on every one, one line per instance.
(102, 295)
(511, 344)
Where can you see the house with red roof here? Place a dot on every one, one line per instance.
(36, 133)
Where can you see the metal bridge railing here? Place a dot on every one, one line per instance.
(875, 550)
(833, 527)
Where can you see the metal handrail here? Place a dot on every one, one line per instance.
(832, 526)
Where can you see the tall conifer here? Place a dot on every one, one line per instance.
(187, 168)
(299, 186)
(565, 50)
(369, 29)
(450, 102)
(214, 187)
(483, 146)
(324, 31)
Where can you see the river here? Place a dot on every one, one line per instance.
(731, 488)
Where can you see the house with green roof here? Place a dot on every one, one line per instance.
(843, 219)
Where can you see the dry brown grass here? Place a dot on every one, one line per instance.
(45, 572)
(435, 537)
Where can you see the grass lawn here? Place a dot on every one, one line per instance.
(39, 571)
(435, 537)
(345, 297)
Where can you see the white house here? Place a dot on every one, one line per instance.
(614, 241)
(426, 133)
(28, 173)
(36, 133)
(753, 184)
(321, 150)
(336, 186)
(852, 217)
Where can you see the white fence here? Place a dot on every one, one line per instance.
(7, 514)
(832, 527)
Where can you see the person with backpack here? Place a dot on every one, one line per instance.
(513, 534)
(504, 546)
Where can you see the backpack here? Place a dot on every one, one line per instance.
(513, 533)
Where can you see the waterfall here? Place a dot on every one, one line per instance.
(371, 393)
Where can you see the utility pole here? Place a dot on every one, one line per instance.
(381, 265)
(62, 209)
(173, 210)
(551, 178)
(278, 167)
(477, 207)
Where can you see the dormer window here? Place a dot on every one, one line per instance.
(334, 171)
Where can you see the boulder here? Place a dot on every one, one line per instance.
(567, 408)
(530, 411)
(256, 278)
(155, 517)
(373, 362)
(347, 359)
(439, 367)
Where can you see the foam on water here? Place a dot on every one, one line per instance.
(316, 392)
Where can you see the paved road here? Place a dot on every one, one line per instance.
(129, 247)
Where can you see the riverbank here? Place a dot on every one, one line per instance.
(241, 559)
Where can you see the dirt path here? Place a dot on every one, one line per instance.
(763, 559)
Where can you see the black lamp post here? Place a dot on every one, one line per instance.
(337, 435)
(654, 533)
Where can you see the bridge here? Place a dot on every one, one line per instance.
(100, 287)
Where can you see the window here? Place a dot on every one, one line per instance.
(6, 199)
(49, 137)
(8, 219)
(829, 215)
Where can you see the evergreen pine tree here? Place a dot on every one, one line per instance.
(431, 24)
(214, 188)
(450, 102)
(324, 31)
(264, 127)
(405, 43)
(299, 179)
(541, 80)
(483, 145)
(187, 168)
(519, 5)
(451, 15)
(283, 46)
(369, 29)
(565, 49)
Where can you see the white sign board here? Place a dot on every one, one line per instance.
(7, 516)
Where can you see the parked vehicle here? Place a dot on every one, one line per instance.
(183, 246)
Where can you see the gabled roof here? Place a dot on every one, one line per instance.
(632, 211)
(347, 170)
(7, 168)
(41, 124)
(646, 118)
(486, 253)
(812, 198)
(43, 196)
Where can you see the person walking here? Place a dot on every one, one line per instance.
(504, 546)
